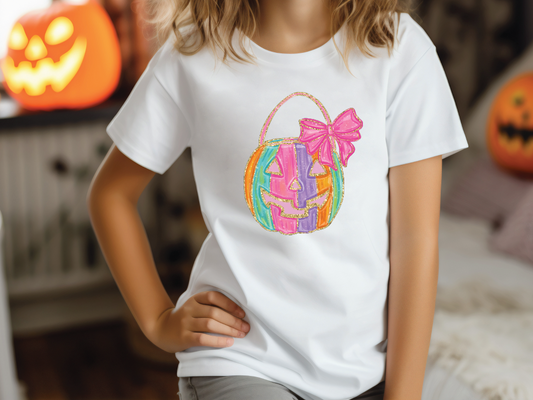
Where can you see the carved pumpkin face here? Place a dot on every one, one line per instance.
(66, 56)
(289, 191)
(510, 126)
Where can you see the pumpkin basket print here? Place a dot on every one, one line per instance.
(296, 185)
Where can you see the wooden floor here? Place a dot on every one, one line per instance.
(90, 363)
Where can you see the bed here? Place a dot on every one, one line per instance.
(465, 258)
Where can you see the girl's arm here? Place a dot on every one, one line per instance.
(112, 202)
(415, 191)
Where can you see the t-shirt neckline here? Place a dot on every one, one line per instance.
(295, 59)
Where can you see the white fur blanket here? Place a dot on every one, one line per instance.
(484, 336)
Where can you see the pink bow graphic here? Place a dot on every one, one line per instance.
(319, 136)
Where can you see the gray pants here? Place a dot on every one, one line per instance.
(240, 387)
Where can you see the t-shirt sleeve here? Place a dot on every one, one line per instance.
(422, 119)
(150, 128)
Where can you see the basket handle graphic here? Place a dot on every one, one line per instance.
(271, 116)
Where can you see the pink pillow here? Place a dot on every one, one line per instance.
(515, 237)
(486, 191)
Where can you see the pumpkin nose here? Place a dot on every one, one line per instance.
(36, 49)
(295, 185)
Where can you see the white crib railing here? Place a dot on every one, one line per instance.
(56, 274)
(44, 177)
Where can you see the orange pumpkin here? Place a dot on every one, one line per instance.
(65, 56)
(510, 126)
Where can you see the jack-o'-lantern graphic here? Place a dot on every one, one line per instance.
(296, 185)
(65, 56)
(510, 126)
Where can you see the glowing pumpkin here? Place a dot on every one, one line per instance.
(287, 186)
(65, 56)
(510, 126)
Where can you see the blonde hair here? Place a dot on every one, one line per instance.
(213, 23)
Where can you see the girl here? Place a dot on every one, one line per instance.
(317, 130)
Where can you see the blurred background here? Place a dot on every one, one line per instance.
(65, 332)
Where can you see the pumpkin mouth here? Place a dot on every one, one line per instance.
(46, 72)
(513, 139)
(287, 207)
(511, 132)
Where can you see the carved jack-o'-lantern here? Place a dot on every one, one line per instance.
(510, 126)
(65, 56)
(296, 185)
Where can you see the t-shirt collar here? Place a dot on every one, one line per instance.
(294, 59)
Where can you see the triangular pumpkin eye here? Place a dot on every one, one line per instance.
(274, 168)
(17, 39)
(59, 30)
(317, 169)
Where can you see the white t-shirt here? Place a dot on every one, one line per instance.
(298, 219)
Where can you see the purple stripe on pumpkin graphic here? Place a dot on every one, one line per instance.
(308, 188)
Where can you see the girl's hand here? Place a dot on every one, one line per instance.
(178, 330)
